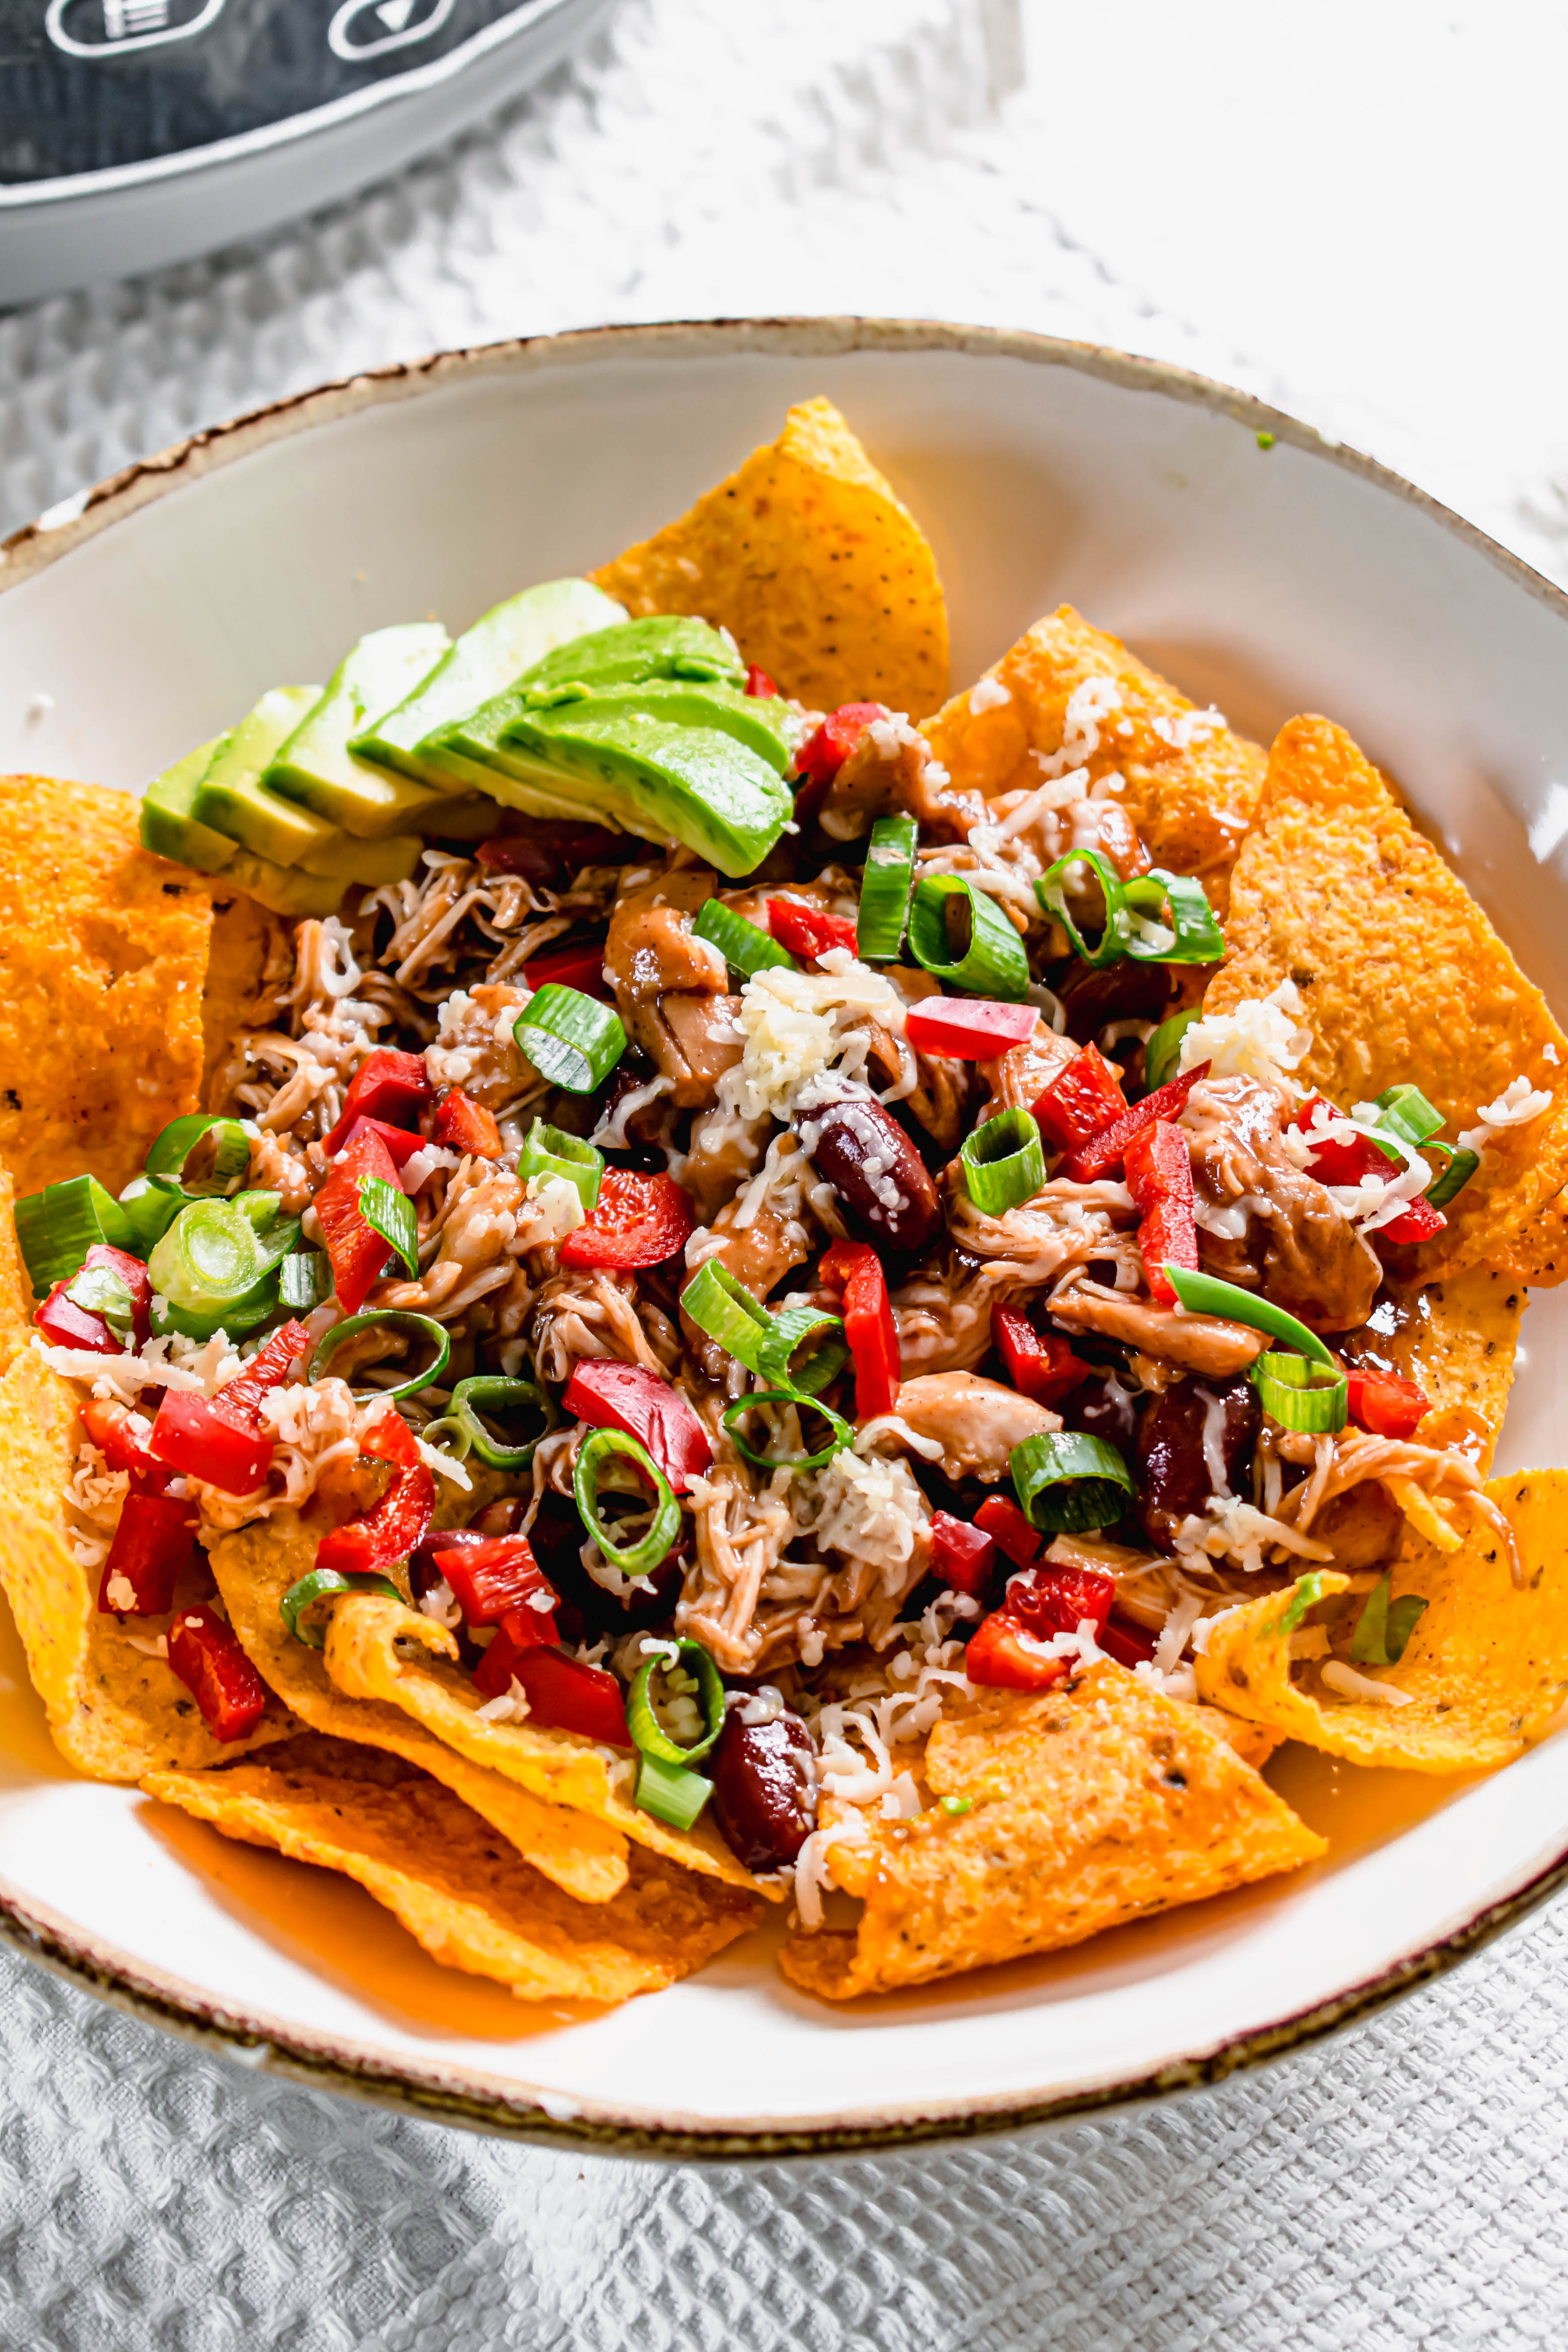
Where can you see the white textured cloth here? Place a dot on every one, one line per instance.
(1210, 185)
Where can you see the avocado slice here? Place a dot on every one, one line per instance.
(646, 727)
(486, 658)
(232, 798)
(315, 768)
(169, 829)
(287, 889)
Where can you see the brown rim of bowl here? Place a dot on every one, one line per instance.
(441, 2093)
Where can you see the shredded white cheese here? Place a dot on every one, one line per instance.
(1259, 1039)
(1351, 1684)
(803, 1034)
(1518, 1104)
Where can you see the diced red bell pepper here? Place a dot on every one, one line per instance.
(1160, 1178)
(868, 1326)
(1040, 1364)
(1004, 1520)
(640, 1220)
(520, 1632)
(809, 931)
(208, 1658)
(563, 1694)
(1083, 1102)
(1336, 1159)
(155, 1539)
(1418, 1223)
(759, 683)
(494, 1576)
(612, 1395)
(464, 1125)
(238, 1401)
(64, 1324)
(965, 1557)
(579, 968)
(369, 1545)
(1051, 1600)
(357, 1251)
(388, 1086)
(1128, 1645)
(1386, 1405)
(998, 1657)
(823, 753)
(969, 1028)
(191, 1436)
(1102, 1152)
(123, 1446)
(400, 1142)
(137, 1281)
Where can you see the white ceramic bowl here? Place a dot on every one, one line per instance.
(1296, 577)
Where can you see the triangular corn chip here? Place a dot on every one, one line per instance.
(254, 1568)
(1485, 1668)
(1076, 1810)
(1189, 786)
(1402, 979)
(815, 566)
(458, 1887)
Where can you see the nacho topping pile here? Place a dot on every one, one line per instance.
(668, 1270)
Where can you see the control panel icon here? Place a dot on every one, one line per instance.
(352, 34)
(100, 28)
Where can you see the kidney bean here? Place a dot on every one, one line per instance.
(761, 1789)
(1174, 1480)
(423, 1574)
(876, 1172)
(1126, 991)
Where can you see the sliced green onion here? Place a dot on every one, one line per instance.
(642, 1719)
(1177, 903)
(304, 1281)
(726, 1312)
(388, 1211)
(1051, 892)
(551, 1152)
(571, 1039)
(151, 1209)
(57, 1227)
(1384, 1626)
(1406, 1113)
(492, 1394)
(230, 1157)
(1163, 1050)
(840, 1434)
(670, 1793)
(1309, 1591)
(325, 1584)
(261, 1208)
(956, 1806)
(450, 1434)
(1461, 1167)
(1067, 1481)
(385, 1318)
(805, 1349)
(1204, 1294)
(101, 1291)
(1004, 1162)
(961, 935)
(1300, 1394)
(209, 1256)
(744, 948)
(884, 889)
(598, 1458)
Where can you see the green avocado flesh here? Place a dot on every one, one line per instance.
(315, 768)
(169, 829)
(486, 658)
(646, 726)
(233, 799)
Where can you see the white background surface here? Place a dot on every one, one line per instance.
(1355, 211)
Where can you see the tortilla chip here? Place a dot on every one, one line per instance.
(365, 1661)
(813, 563)
(1190, 803)
(1401, 978)
(459, 1890)
(115, 1712)
(1088, 1806)
(248, 941)
(103, 953)
(16, 1300)
(1486, 1666)
(1456, 1339)
(254, 1568)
